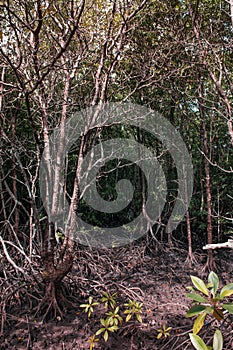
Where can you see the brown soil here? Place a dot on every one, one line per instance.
(158, 280)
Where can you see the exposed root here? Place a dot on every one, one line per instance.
(191, 260)
(53, 302)
(210, 266)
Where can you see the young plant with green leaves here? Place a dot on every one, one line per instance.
(93, 341)
(109, 300)
(89, 308)
(164, 331)
(113, 317)
(208, 300)
(133, 308)
(199, 344)
(107, 327)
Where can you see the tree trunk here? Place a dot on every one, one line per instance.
(210, 261)
(14, 180)
(55, 267)
(210, 265)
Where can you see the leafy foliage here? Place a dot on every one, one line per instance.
(164, 331)
(133, 308)
(89, 307)
(199, 344)
(109, 300)
(106, 328)
(113, 316)
(210, 301)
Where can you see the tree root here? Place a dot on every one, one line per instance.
(53, 303)
(210, 266)
(190, 260)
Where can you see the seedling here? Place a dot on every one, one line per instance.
(93, 341)
(133, 308)
(106, 328)
(164, 332)
(113, 317)
(109, 300)
(89, 308)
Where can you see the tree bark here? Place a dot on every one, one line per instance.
(210, 265)
(54, 270)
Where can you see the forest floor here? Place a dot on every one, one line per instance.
(157, 279)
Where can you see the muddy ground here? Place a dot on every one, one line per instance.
(155, 277)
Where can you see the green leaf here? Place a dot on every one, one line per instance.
(128, 317)
(113, 328)
(200, 285)
(199, 322)
(214, 281)
(95, 304)
(197, 342)
(195, 310)
(83, 305)
(196, 297)
(227, 290)
(106, 335)
(228, 307)
(218, 340)
(103, 322)
(101, 330)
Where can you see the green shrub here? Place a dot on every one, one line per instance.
(208, 300)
